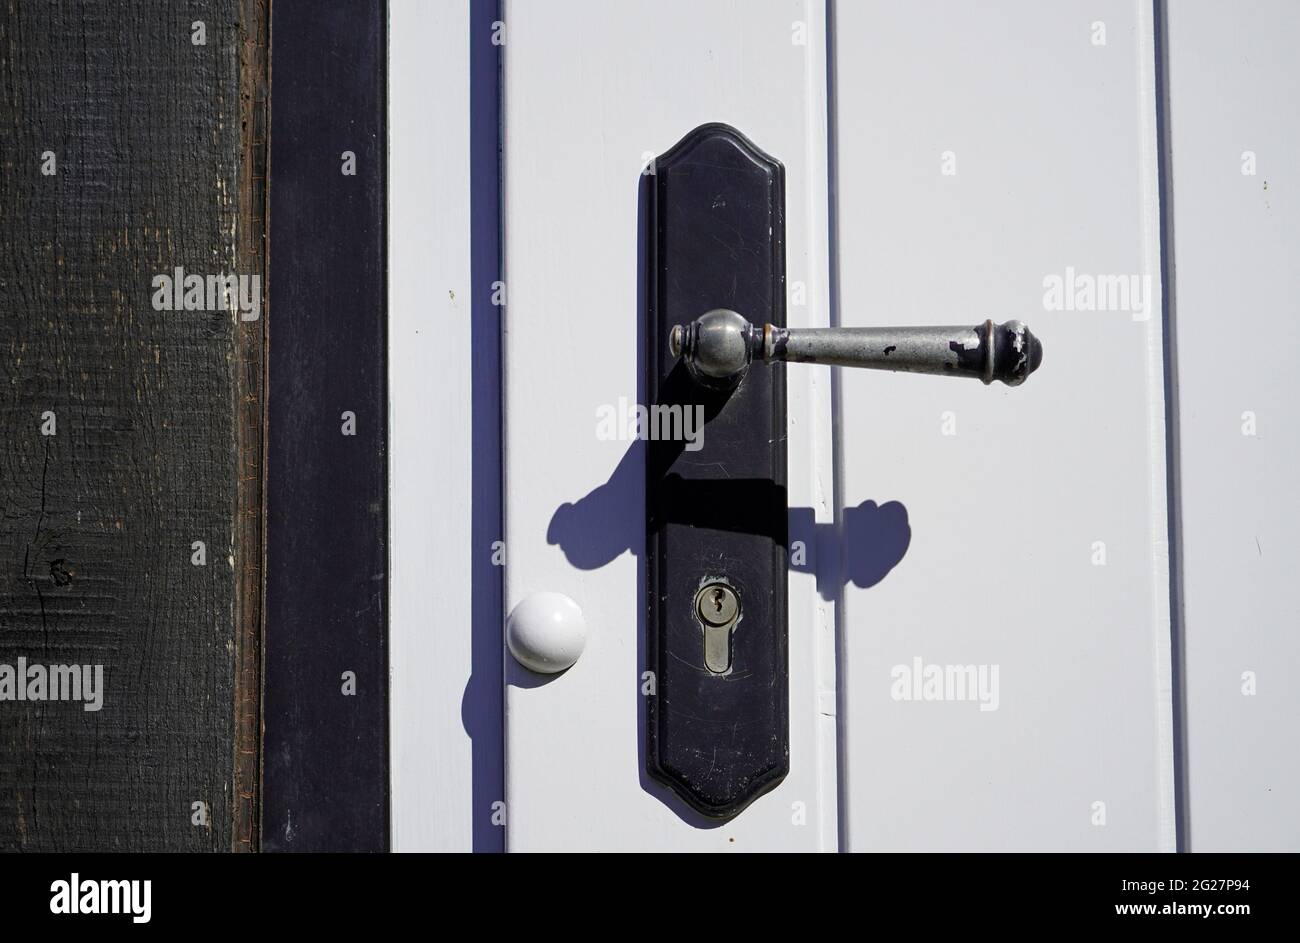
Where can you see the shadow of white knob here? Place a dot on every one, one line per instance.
(546, 632)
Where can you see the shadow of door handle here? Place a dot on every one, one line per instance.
(719, 346)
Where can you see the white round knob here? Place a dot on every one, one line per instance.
(546, 632)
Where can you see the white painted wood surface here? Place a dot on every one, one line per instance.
(1233, 89)
(1053, 143)
(1053, 139)
(431, 551)
(592, 90)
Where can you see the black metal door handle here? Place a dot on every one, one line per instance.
(717, 514)
(719, 346)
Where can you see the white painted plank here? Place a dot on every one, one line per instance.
(997, 528)
(591, 90)
(431, 386)
(1233, 89)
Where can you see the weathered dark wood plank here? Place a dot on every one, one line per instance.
(325, 771)
(250, 426)
(97, 521)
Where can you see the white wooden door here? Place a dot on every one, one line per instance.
(1044, 617)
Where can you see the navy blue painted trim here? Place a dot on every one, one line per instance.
(325, 752)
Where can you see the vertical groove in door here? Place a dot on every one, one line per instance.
(837, 455)
(1168, 313)
(503, 263)
(487, 648)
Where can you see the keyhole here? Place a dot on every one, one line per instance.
(717, 601)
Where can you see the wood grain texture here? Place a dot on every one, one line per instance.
(250, 420)
(98, 520)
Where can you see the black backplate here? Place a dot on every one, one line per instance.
(716, 239)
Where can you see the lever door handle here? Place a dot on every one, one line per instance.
(719, 346)
(717, 721)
